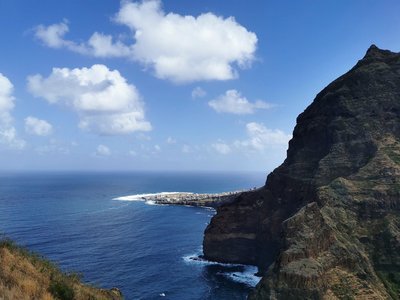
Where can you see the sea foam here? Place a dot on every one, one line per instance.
(246, 275)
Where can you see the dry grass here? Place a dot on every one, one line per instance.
(25, 275)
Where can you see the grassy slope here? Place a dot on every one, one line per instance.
(26, 275)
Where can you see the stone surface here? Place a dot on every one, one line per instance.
(326, 225)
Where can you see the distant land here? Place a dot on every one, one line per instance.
(184, 198)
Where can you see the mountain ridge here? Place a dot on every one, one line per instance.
(316, 228)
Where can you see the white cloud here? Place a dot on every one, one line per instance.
(98, 45)
(234, 103)
(157, 148)
(101, 45)
(37, 126)
(186, 149)
(105, 102)
(9, 137)
(187, 48)
(171, 140)
(103, 150)
(8, 133)
(143, 137)
(221, 148)
(52, 36)
(260, 137)
(54, 146)
(176, 47)
(132, 153)
(198, 92)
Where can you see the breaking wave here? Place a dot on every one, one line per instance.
(244, 274)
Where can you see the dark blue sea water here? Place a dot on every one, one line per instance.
(142, 249)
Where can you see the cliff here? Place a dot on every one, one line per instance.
(25, 275)
(326, 225)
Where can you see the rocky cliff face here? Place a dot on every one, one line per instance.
(326, 225)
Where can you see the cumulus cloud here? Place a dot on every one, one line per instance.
(105, 102)
(52, 36)
(37, 126)
(234, 103)
(260, 137)
(8, 133)
(103, 150)
(102, 45)
(198, 92)
(176, 47)
(221, 148)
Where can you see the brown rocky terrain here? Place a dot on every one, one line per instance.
(326, 225)
(25, 275)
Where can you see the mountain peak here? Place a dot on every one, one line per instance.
(374, 52)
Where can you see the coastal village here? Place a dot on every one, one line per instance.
(192, 199)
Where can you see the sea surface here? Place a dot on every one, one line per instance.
(145, 250)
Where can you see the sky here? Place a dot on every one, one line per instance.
(199, 85)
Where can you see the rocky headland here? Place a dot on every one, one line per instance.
(326, 225)
(188, 199)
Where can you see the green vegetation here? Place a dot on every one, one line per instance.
(62, 289)
(391, 280)
(393, 151)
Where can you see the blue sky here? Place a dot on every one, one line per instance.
(171, 85)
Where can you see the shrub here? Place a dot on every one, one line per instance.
(60, 289)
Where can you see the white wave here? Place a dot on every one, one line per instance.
(196, 259)
(151, 202)
(144, 197)
(247, 276)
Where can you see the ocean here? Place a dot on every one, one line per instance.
(145, 250)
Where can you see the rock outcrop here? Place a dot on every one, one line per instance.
(326, 225)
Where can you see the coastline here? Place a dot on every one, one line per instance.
(211, 200)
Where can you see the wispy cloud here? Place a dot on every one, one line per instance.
(171, 140)
(102, 150)
(221, 148)
(98, 45)
(198, 92)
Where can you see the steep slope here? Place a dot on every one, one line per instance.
(24, 275)
(326, 225)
